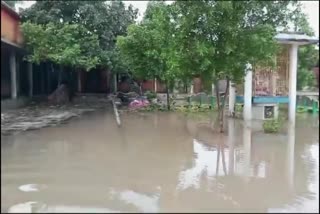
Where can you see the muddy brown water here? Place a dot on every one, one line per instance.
(160, 162)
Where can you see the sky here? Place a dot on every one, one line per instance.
(311, 8)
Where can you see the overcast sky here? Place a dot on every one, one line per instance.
(311, 8)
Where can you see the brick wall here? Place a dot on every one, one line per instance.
(10, 26)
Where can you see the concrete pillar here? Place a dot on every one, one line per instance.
(247, 110)
(212, 90)
(13, 74)
(30, 78)
(293, 83)
(232, 98)
(191, 89)
(231, 136)
(155, 85)
(290, 156)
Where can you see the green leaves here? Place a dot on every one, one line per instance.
(308, 56)
(211, 39)
(103, 21)
(65, 44)
(146, 48)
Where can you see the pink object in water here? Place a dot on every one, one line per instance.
(138, 103)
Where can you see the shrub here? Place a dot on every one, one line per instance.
(150, 95)
(272, 126)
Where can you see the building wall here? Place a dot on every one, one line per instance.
(148, 85)
(10, 29)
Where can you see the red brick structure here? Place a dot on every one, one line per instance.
(10, 21)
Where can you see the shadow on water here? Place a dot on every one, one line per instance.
(160, 162)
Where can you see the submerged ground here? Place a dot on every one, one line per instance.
(160, 162)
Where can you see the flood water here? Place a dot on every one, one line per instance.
(160, 162)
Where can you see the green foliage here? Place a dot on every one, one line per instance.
(272, 126)
(194, 108)
(193, 38)
(308, 55)
(153, 107)
(211, 46)
(190, 39)
(305, 78)
(146, 46)
(106, 20)
(64, 44)
(238, 107)
(150, 95)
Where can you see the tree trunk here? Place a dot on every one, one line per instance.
(221, 107)
(168, 97)
(218, 99)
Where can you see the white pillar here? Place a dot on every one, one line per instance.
(212, 90)
(232, 98)
(247, 110)
(290, 156)
(293, 83)
(13, 74)
(155, 85)
(30, 78)
(191, 89)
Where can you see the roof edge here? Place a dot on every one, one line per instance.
(10, 9)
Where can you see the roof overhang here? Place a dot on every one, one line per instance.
(10, 10)
(296, 38)
(5, 44)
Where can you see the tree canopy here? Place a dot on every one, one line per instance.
(308, 56)
(104, 20)
(67, 44)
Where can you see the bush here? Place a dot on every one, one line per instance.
(150, 95)
(272, 126)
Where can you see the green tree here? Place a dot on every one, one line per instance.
(68, 45)
(194, 38)
(146, 46)
(308, 56)
(107, 20)
(215, 47)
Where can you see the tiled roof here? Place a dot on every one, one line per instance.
(293, 37)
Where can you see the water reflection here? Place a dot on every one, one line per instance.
(160, 163)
